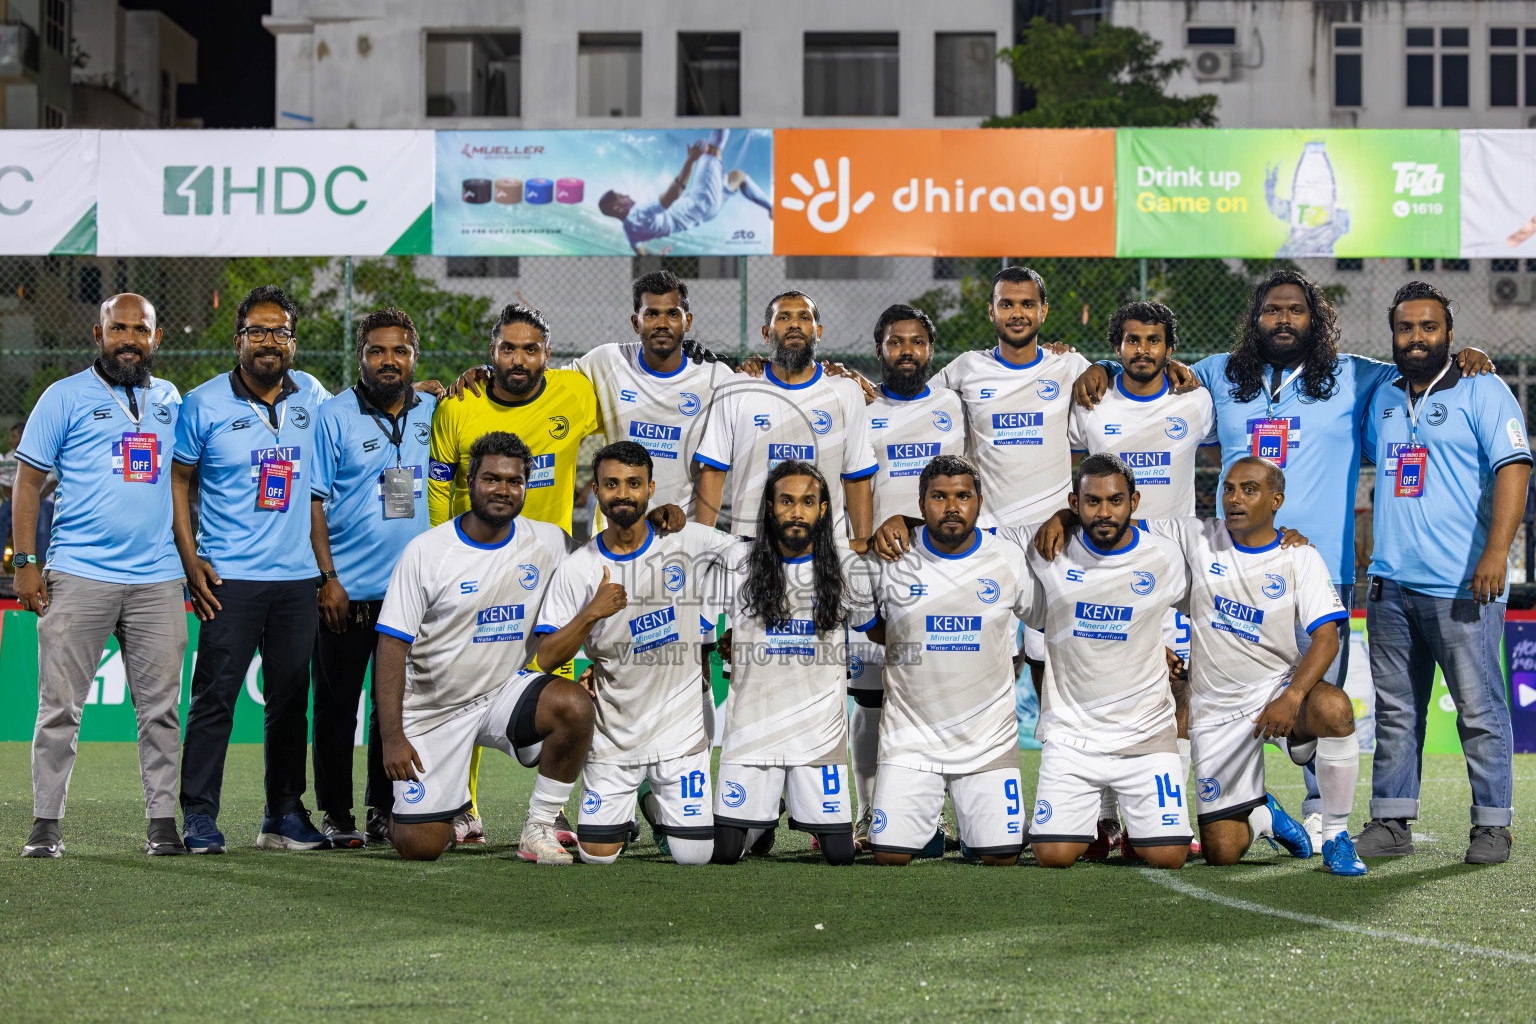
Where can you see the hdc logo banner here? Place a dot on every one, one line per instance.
(48, 192)
(266, 193)
(942, 192)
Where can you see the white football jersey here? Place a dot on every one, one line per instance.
(1244, 607)
(1017, 418)
(1156, 436)
(468, 610)
(788, 685)
(758, 422)
(664, 413)
(950, 638)
(646, 658)
(907, 434)
(1106, 677)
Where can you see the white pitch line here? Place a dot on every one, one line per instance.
(1169, 880)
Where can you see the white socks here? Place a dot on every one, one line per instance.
(1338, 769)
(1109, 805)
(589, 858)
(691, 851)
(709, 714)
(1261, 822)
(547, 798)
(1184, 759)
(864, 739)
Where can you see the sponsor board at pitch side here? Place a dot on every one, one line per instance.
(48, 192)
(945, 192)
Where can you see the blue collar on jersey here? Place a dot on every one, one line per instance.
(998, 355)
(1091, 546)
(893, 396)
(975, 543)
(798, 561)
(458, 527)
(1120, 386)
(774, 380)
(650, 535)
(1258, 550)
(645, 367)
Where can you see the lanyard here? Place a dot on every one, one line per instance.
(131, 410)
(396, 430)
(281, 413)
(1274, 396)
(1414, 407)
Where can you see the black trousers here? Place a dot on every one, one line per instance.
(279, 620)
(341, 661)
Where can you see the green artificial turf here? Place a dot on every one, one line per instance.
(107, 934)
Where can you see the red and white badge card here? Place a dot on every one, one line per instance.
(141, 458)
(1412, 466)
(275, 486)
(1270, 439)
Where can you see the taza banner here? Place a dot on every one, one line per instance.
(604, 193)
(266, 193)
(48, 192)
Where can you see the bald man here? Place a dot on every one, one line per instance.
(107, 433)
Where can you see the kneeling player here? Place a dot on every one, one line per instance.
(786, 730)
(631, 597)
(947, 609)
(1106, 709)
(1248, 682)
(456, 620)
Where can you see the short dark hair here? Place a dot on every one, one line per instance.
(498, 442)
(1147, 313)
(628, 453)
(660, 282)
(517, 313)
(947, 465)
(1415, 290)
(265, 295)
(1016, 275)
(1274, 476)
(896, 313)
(389, 316)
(1103, 464)
(792, 293)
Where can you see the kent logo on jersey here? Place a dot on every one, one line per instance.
(789, 637)
(1017, 427)
(499, 622)
(281, 453)
(1102, 621)
(653, 629)
(778, 453)
(662, 441)
(954, 633)
(541, 472)
(1238, 619)
(1150, 467)
(911, 459)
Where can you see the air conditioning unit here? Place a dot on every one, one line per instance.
(1212, 65)
(1511, 290)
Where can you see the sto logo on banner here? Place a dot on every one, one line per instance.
(945, 192)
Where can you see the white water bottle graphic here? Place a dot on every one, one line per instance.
(1312, 212)
(828, 194)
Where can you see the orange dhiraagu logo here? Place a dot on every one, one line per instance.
(945, 192)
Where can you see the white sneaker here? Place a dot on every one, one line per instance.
(540, 844)
(468, 830)
(1313, 823)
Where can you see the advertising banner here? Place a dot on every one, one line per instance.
(1498, 194)
(1520, 652)
(48, 192)
(1265, 193)
(939, 192)
(266, 193)
(604, 193)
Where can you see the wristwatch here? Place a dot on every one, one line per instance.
(326, 575)
(20, 559)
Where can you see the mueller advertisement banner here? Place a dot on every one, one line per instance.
(265, 193)
(48, 192)
(1498, 194)
(979, 192)
(1268, 193)
(604, 193)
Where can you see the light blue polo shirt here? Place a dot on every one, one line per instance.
(106, 528)
(352, 451)
(1473, 427)
(225, 432)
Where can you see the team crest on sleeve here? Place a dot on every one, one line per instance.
(300, 417)
(1144, 583)
(1209, 790)
(528, 575)
(688, 403)
(414, 791)
(673, 577)
(423, 432)
(1042, 811)
(1274, 586)
(735, 794)
(988, 591)
(1516, 434)
(162, 413)
(590, 801)
(1176, 427)
(941, 421)
(442, 472)
(821, 421)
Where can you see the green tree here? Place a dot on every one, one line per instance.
(1111, 79)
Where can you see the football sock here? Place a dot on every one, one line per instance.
(474, 782)
(1261, 822)
(1109, 805)
(730, 844)
(1338, 769)
(590, 858)
(1183, 762)
(709, 715)
(864, 738)
(837, 848)
(691, 851)
(549, 795)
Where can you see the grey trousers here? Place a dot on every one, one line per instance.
(150, 623)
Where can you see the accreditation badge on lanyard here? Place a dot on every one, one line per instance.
(1272, 435)
(274, 485)
(1413, 457)
(141, 452)
(398, 484)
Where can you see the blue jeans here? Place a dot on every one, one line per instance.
(1338, 671)
(1409, 634)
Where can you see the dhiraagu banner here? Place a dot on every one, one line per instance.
(48, 192)
(1266, 193)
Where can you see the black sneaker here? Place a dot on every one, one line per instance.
(341, 830)
(1490, 845)
(1383, 837)
(46, 840)
(376, 831)
(764, 845)
(161, 839)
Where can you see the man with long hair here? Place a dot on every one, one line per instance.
(788, 603)
(1285, 381)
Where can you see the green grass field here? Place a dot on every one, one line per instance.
(107, 934)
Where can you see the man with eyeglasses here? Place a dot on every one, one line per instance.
(250, 568)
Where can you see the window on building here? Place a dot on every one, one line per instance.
(1530, 266)
(837, 268)
(1210, 35)
(56, 25)
(1453, 65)
(53, 117)
(709, 74)
(852, 74)
(483, 266)
(474, 75)
(1420, 85)
(1414, 264)
(964, 74)
(690, 268)
(1505, 60)
(1347, 65)
(608, 74)
(1455, 264)
(1504, 266)
(1349, 264)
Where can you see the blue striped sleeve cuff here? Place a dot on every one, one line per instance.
(387, 631)
(1330, 617)
(543, 628)
(863, 473)
(867, 626)
(710, 462)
